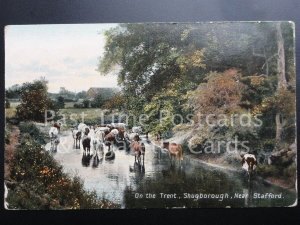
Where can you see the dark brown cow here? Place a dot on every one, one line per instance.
(86, 141)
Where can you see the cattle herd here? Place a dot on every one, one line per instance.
(96, 138)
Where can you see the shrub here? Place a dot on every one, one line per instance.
(33, 131)
(34, 101)
(268, 170)
(291, 171)
(78, 105)
(7, 135)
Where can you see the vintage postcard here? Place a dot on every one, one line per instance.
(150, 115)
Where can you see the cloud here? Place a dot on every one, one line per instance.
(67, 56)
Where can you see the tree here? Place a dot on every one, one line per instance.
(221, 94)
(97, 102)
(34, 101)
(151, 56)
(81, 94)
(60, 102)
(86, 103)
(13, 91)
(116, 102)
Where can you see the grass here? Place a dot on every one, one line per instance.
(89, 116)
(14, 104)
(10, 112)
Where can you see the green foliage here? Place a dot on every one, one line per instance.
(30, 129)
(78, 105)
(34, 101)
(7, 135)
(205, 68)
(60, 102)
(86, 103)
(13, 92)
(98, 101)
(117, 101)
(81, 94)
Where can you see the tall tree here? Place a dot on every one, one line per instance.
(34, 101)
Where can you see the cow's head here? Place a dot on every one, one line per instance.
(166, 144)
(87, 131)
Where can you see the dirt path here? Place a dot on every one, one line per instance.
(9, 150)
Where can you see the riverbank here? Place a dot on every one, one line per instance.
(215, 163)
(220, 162)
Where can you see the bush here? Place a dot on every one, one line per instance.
(40, 183)
(268, 170)
(33, 131)
(78, 105)
(7, 136)
(291, 171)
(86, 103)
(34, 101)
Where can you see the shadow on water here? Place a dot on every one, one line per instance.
(184, 183)
(86, 159)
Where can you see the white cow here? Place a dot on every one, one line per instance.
(132, 135)
(76, 136)
(54, 138)
(114, 131)
(98, 147)
(82, 126)
(5, 197)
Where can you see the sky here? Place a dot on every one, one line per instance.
(66, 55)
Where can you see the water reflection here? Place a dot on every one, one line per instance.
(121, 178)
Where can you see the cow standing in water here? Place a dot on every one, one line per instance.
(86, 141)
(249, 164)
(54, 138)
(175, 151)
(138, 148)
(77, 136)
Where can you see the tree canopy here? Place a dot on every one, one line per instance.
(205, 67)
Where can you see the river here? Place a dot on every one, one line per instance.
(158, 184)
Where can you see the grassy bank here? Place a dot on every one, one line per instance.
(279, 175)
(36, 181)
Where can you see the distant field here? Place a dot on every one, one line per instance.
(14, 104)
(69, 104)
(87, 115)
(11, 112)
(89, 112)
(91, 115)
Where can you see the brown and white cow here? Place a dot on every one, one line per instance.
(249, 163)
(175, 150)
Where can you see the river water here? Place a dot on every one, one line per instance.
(158, 184)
